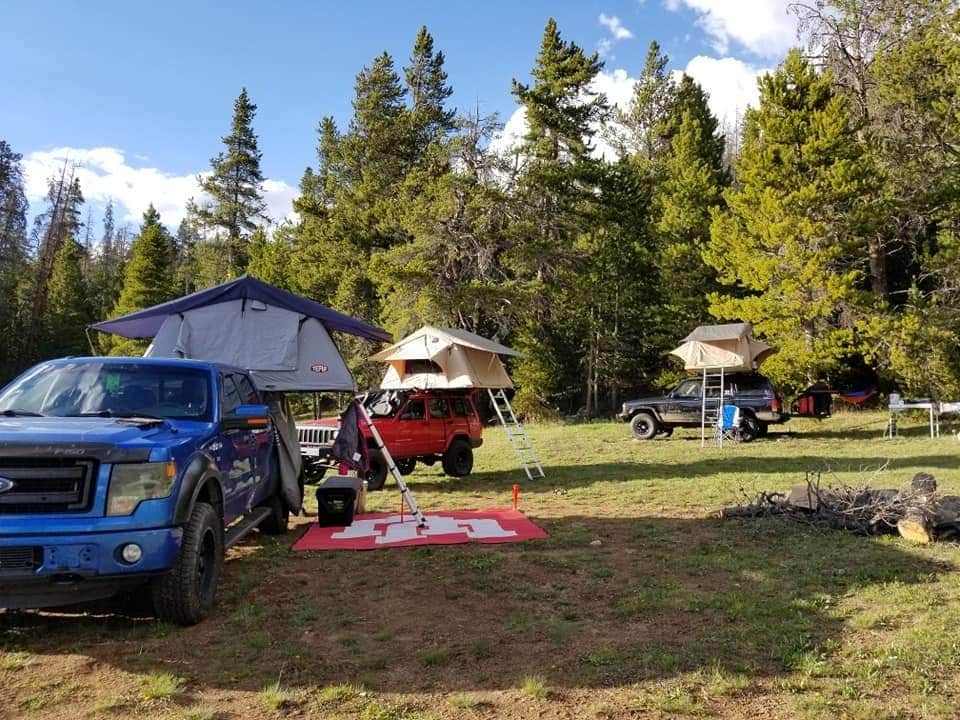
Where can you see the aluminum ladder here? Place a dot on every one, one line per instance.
(408, 497)
(711, 394)
(516, 434)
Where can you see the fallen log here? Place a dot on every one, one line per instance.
(917, 513)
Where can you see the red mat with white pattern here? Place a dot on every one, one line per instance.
(385, 530)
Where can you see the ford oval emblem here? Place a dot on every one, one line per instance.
(6, 484)
(319, 368)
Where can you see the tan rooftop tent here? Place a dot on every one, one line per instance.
(435, 358)
(731, 347)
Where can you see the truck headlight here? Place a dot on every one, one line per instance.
(131, 483)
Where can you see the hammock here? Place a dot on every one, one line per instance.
(860, 396)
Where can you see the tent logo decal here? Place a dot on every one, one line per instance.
(319, 368)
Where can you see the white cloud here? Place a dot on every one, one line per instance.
(616, 28)
(731, 84)
(617, 33)
(764, 27)
(105, 174)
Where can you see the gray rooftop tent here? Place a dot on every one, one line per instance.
(281, 339)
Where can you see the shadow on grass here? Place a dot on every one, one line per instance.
(656, 598)
(793, 468)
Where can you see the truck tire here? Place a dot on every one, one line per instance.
(458, 459)
(406, 465)
(749, 429)
(644, 426)
(377, 474)
(185, 595)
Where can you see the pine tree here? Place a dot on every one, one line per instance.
(13, 254)
(793, 234)
(235, 187)
(644, 127)
(270, 258)
(556, 200)
(692, 179)
(426, 81)
(148, 279)
(68, 306)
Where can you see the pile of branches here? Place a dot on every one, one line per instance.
(918, 513)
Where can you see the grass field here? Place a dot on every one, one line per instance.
(675, 614)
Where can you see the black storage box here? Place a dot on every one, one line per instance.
(337, 500)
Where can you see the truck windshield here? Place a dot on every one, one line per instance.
(111, 390)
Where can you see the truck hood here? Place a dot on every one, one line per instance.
(106, 439)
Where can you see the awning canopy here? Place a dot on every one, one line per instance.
(445, 358)
(731, 347)
(146, 323)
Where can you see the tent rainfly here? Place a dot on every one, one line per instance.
(444, 359)
(282, 339)
(731, 347)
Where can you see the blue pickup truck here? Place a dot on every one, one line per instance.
(119, 473)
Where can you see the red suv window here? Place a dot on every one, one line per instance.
(439, 408)
(461, 407)
(414, 411)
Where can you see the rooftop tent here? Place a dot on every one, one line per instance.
(444, 358)
(282, 339)
(731, 347)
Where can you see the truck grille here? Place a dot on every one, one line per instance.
(47, 485)
(14, 559)
(313, 435)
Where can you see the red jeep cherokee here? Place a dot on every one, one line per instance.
(424, 425)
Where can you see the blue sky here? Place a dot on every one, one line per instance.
(139, 94)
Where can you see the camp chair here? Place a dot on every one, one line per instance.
(728, 424)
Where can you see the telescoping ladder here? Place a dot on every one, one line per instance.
(408, 497)
(516, 434)
(712, 405)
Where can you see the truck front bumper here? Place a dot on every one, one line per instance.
(51, 570)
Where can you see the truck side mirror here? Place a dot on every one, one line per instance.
(246, 417)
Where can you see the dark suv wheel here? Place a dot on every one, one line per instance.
(458, 459)
(644, 426)
(749, 429)
(377, 474)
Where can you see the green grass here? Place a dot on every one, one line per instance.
(676, 614)
(161, 686)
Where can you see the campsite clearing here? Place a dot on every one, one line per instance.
(674, 614)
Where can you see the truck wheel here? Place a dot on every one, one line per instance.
(185, 594)
(749, 429)
(643, 426)
(406, 465)
(278, 521)
(377, 474)
(458, 459)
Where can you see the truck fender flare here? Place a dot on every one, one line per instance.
(201, 473)
(644, 408)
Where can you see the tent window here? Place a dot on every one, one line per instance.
(439, 408)
(414, 410)
(415, 367)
